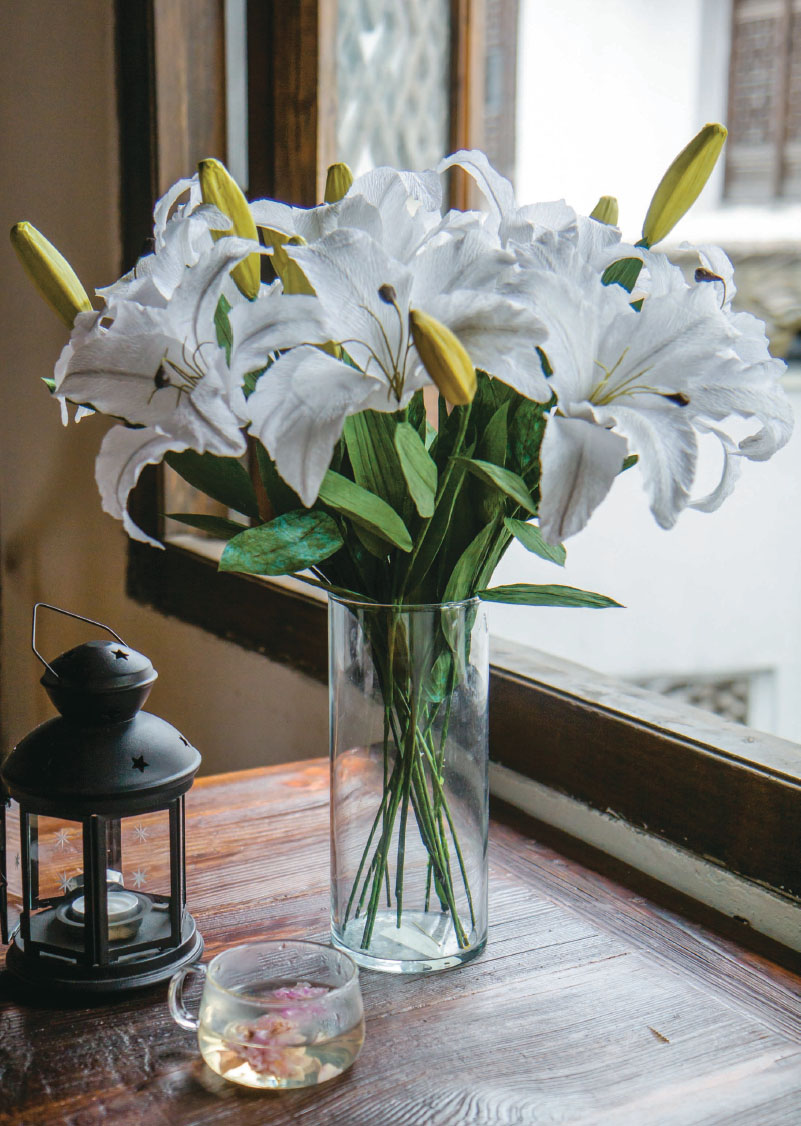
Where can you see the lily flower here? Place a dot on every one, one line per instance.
(647, 382)
(365, 296)
(160, 369)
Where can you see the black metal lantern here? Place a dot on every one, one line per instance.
(94, 860)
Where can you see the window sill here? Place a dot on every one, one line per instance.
(576, 748)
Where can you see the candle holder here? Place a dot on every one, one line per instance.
(92, 857)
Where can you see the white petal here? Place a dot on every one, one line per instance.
(274, 321)
(495, 188)
(579, 464)
(729, 474)
(347, 269)
(123, 455)
(666, 443)
(299, 408)
(500, 337)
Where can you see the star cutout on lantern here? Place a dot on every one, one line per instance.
(120, 655)
(140, 832)
(16, 861)
(139, 763)
(63, 880)
(139, 877)
(62, 839)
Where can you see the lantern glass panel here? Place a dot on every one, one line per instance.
(56, 856)
(145, 849)
(13, 866)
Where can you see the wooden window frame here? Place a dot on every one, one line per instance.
(724, 793)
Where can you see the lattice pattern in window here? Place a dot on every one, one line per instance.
(393, 78)
(763, 159)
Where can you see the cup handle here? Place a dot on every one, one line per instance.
(175, 997)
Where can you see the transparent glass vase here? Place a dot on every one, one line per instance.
(409, 783)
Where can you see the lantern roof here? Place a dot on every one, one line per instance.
(64, 768)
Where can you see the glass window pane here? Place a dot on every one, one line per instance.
(713, 611)
(393, 66)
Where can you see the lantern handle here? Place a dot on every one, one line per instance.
(69, 614)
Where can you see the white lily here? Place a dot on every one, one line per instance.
(397, 209)
(159, 368)
(645, 382)
(299, 407)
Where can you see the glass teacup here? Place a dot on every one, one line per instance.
(277, 1014)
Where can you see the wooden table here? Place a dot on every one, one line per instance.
(591, 1004)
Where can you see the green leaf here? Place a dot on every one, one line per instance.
(282, 497)
(222, 478)
(250, 379)
(216, 525)
(369, 438)
(222, 326)
(463, 577)
(49, 383)
(432, 541)
(289, 543)
(531, 538)
(624, 272)
(526, 432)
(419, 470)
(365, 509)
(492, 448)
(527, 594)
(503, 479)
(632, 459)
(416, 412)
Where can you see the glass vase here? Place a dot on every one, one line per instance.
(409, 783)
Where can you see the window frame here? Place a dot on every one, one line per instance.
(722, 792)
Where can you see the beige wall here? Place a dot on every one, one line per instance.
(59, 169)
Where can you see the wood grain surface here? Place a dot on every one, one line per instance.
(591, 1004)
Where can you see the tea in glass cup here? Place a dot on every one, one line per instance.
(276, 1014)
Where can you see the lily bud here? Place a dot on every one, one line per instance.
(337, 182)
(50, 272)
(219, 188)
(444, 358)
(605, 211)
(293, 280)
(683, 182)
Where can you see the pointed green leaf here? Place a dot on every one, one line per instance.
(503, 479)
(527, 594)
(216, 525)
(418, 468)
(289, 543)
(531, 538)
(526, 432)
(624, 272)
(463, 577)
(222, 327)
(629, 461)
(369, 437)
(221, 478)
(364, 508)
(282, 497)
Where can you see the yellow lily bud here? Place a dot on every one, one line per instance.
(605, 211)
(218, 187)
(292, 277)
(683, 182)
(444, 358)
(337, 182)
(50, 272)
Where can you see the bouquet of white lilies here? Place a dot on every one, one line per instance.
(560, 353)
(561, 356)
